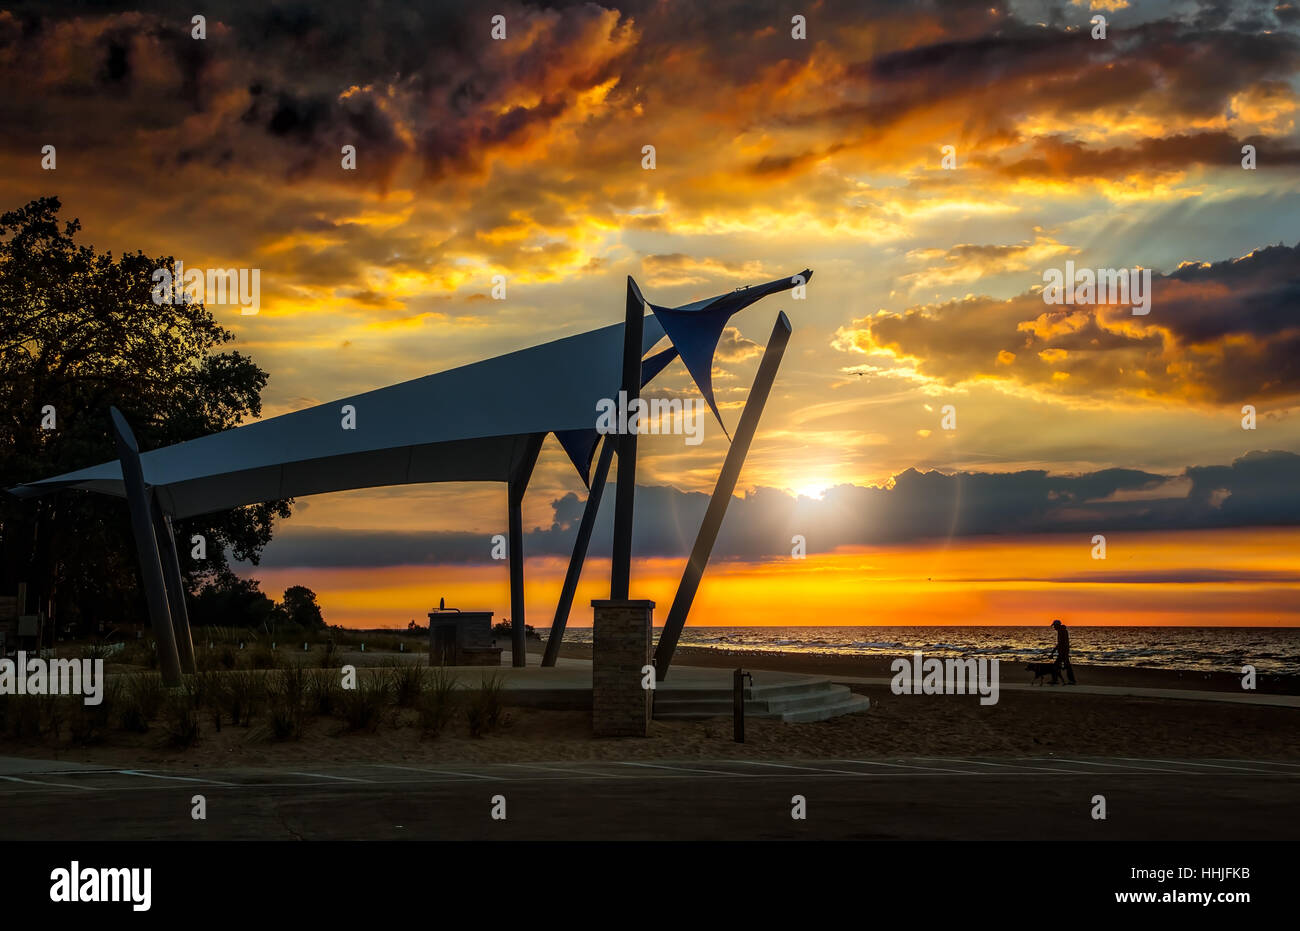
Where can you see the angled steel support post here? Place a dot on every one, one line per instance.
(151, 571)
(717, 509)
(625, 489)
(579, 553)
(515, 488)
(171, 563)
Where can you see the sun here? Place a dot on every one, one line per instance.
(814, 490)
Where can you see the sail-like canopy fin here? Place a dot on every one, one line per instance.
(695, 329)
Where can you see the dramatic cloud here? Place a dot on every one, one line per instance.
(1219, 333)
(1256, 490)
(523, 158)
(967, 262)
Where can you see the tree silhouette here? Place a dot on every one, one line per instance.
(79, 332)
(299, 607)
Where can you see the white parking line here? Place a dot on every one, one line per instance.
(678, 769)
(37, 782)
(435, 772)
(325, 776)
(1265, 763)
(811, 769)
(1021, 766)
(926, 769)
(1240, 769)
(563, 769)
(1120, 766)
(211, 782)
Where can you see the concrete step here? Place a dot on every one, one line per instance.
(810, 700)
(847, 706)
(759, 707)
(834, 695)
(756, 693)
(790, 688)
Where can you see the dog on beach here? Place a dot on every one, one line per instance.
(1040, 670)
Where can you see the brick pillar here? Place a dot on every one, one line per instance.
(620, 707)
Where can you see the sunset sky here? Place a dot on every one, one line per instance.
(523, 158)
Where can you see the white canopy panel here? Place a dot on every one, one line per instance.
(467, 424)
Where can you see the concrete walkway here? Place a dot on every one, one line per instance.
(1243, 698)
(572, 675)
(568, 683)
(568, 686)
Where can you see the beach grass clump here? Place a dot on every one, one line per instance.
(132, 653)
(437, 705)
(209, 695)
(211, 659)
(141, 698)
(406, 683)
(197, 687)
(243, 693)
(363, 706)
(25, 716)
(324, 692)
(99, 649)
(287, 695)
(138, 653)
(292, 683)
(485, 709)
(181, 719)
(88, 724)
(285, 717)
(53, 714)
(263, 657)
(205, 660)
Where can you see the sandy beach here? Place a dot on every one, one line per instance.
(1048, 721)
(1051, 724)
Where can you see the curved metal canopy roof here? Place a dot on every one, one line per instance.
(472, 423)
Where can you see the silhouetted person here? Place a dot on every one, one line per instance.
(1062, 649)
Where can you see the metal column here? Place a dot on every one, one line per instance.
(625, 491)
(171, 563)
(717, 509)
(151, 573)
(579, 556)
(515, 489)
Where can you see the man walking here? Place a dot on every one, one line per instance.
(1062, 650)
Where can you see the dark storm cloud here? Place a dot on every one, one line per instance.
(1259, 489)
(1055, 156)
(424, 79)
(395, 79)
(1164, 69)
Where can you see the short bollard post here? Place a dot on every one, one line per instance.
(738, 712)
